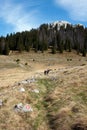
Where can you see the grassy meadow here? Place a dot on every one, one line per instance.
(61, 103)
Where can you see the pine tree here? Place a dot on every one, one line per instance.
(20, 45)
(69, 45)
(36, 47)
(61, 47)
(78, 48)
(66, 44)
(1, 51)
(6, 49)
(84, 47)
(53, 49)
(27, 45)
(58, 40)
(2, 44)
(84, 52)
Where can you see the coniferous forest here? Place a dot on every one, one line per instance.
(47, 37)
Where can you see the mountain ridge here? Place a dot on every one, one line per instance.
(64, 23)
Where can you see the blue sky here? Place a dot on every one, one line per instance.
(21, 15)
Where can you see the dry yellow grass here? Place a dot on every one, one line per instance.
(11, 71)
(62, 101)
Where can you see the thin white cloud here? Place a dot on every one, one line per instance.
(77, 9)
(16, 15)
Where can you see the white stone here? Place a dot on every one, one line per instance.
(22, 90)
(24, 82)
(35, 90)
(20, 106)
(30, 80)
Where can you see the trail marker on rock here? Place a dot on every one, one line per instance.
(27, 108)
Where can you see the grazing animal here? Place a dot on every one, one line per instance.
(46, 72)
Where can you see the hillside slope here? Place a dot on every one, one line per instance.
(58, 100)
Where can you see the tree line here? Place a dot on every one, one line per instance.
(47, 37)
